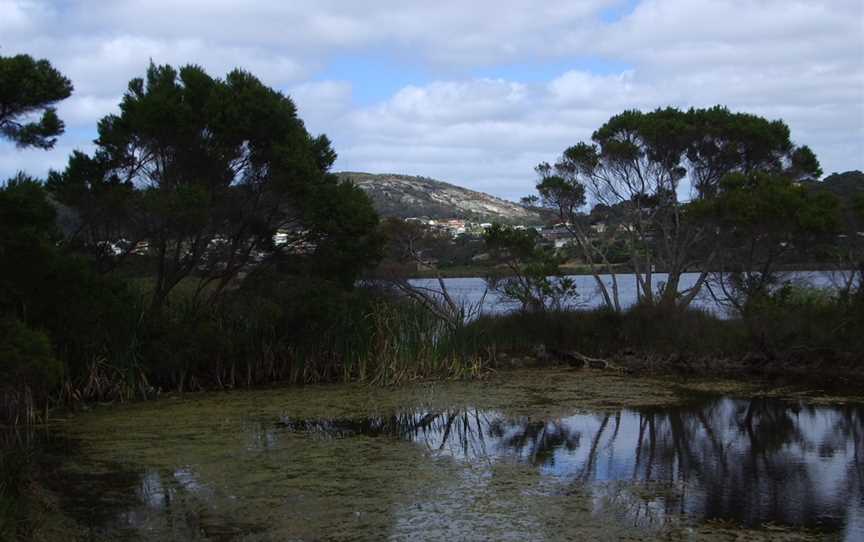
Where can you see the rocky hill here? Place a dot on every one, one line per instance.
(404, 196)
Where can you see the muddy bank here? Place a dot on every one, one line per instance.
(837, 378)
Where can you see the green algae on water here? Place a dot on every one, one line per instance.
(522, 455)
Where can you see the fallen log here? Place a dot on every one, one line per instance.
(592, 363)
(578, 359)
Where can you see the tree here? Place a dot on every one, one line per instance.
(37, 276)
(847, 253)
(534, 278)
(648, 167)
(28, 367)
(410, 244)
(529, 201)
(566, 196)
(27, 237)
(762, 218)
(55, 314)
(203, 173)
(855, 254)
(31, 87)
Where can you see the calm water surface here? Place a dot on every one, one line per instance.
(471, 290)
(521, 457)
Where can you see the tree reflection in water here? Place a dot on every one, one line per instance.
(750, 461)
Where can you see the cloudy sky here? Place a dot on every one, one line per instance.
(473, 92)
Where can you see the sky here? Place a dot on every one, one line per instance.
(472, 92)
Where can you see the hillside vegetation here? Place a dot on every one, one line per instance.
(404, 196)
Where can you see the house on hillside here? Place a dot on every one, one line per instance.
(558, 236)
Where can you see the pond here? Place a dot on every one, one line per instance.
(546, 454)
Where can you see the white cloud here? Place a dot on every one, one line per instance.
(448, 30)
(802, 61)
(464, 101)
(84, 111)
(319, 103)
(38, 162)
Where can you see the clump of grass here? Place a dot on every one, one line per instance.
(402, 341)
(18, 406)
(690, 332)
(365, 336)
(17, 459)
(602, 333)
(812, 322)
(388, 342)
(593, 332)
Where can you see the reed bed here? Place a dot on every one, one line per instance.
(379, 342)
(380, 339)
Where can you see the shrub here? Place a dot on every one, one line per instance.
(28, 371)
(801, 319)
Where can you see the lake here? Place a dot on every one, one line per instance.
(549, 454)
(470, 291)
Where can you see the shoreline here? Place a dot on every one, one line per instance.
(457, 272)
(810, 380)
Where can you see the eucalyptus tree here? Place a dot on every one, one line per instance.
(201, 173)
(566, 196)
(761, 220)
(412, 244)
(847, 256)
(645, 169)
(29, 90)
(534, 277)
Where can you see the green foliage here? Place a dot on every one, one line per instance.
(409, 246)
(847, 252)
(658, 330)
(847, 187)
(805, 322)
(529, 201)
(280, 329)
(27, 232)
(858, 206)
(761, 219)
(565, 194)
(412, 246)
(29, 87)
(188, 185)
(793, 325)
(27, 357)
(639, 164)
(206, 171)
(59, 314)
(345, 232)
(596, 332)
(804, 164)
(533, 278)
(646, 330)
(645, 152)
(28, 368)
(763, 204)
(16, 464)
